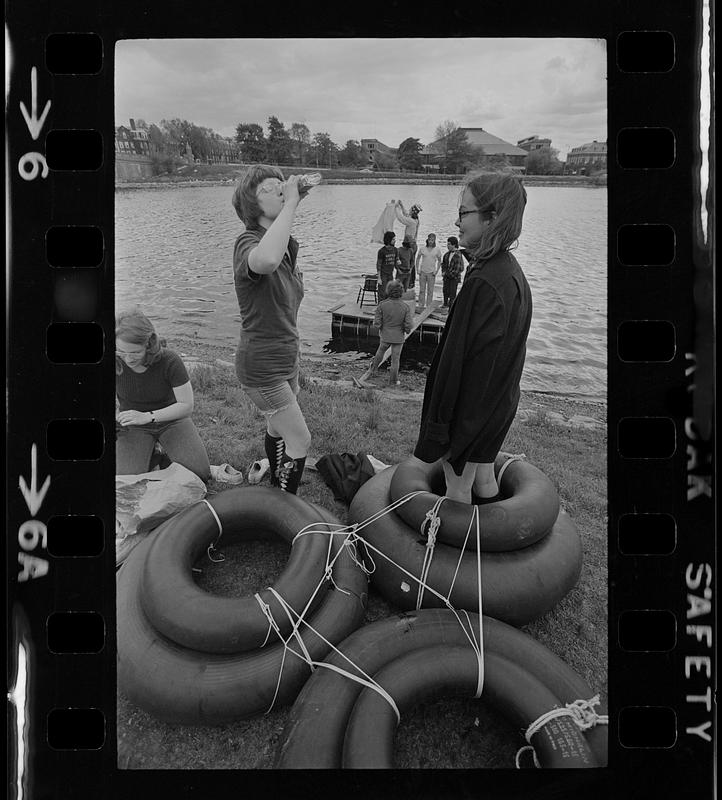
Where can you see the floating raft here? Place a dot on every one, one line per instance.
(348, 318)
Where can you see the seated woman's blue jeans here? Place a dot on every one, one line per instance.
(179, 437)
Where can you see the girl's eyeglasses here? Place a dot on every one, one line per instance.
(470, 211)
(269, 187)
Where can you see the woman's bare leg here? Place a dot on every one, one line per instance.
(458, 487)
(485, 484)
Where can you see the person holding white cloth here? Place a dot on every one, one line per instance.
(428, 263)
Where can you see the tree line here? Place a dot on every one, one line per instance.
(175, 139)
(296, 145)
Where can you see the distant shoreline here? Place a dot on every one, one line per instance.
(529, 180)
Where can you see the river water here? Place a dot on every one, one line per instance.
(173, 255)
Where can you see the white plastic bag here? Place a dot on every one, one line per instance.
(143, 501)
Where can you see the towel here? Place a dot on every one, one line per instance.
(385, 223)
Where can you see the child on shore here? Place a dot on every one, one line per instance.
(393, 319)
(472, 391)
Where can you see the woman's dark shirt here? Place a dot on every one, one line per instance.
(153, 389)
(268, 346)
(472, 391)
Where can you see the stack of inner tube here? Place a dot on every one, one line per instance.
(187, 656)
(531, 555)
(336, 722)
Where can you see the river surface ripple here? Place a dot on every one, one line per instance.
(174, 246)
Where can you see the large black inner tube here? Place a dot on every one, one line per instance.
(442, 671)
(525, 515)
(314, 732)
(517, 586)
(179, 685)
(179, 609)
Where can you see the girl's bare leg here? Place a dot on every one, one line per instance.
(458, 487)
(485, 484)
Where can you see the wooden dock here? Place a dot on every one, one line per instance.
(348, 318)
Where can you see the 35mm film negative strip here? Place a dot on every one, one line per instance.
(63, 731)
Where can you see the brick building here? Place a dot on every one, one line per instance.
(587, 158)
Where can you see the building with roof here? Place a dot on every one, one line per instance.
(493, 150)
(133, 141)
(533, 143)
(587, 158)
(374, 147)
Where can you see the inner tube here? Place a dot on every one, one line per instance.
(179, 685)
(525, 515)
(517, 586)
(314, 732)
(443, 671)
(179, 609)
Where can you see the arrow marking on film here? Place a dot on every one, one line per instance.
(31, 120)
(33, 497)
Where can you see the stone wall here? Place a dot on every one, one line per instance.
(131, 167)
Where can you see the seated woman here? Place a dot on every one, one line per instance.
(155, 401)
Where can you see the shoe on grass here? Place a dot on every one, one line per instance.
(225, 473)
(257, 470)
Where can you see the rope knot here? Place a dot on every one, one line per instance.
(584, 714)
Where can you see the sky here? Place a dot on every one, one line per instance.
(385, 89)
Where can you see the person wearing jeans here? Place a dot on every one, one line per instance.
(155, 401)
(393, 319)
(428, 261)
(452, 266)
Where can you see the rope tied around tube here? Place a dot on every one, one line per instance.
(212, 546)
(433, 520)
(582, 713)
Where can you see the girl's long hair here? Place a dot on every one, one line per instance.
(501, 198)
(133, 326)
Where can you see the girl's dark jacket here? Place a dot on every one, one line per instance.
(472, 391)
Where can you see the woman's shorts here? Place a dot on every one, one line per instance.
(270, 399)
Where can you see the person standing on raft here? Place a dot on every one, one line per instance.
(410, 222)
(472, 391)
(269, 288)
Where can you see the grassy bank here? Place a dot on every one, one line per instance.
(457, 733)
(219, 174)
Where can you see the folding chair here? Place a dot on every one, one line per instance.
(369, 286)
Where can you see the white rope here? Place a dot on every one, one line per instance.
(305, 655)
(352, 538)
(533, 754)
(502, 470)
(433, 520)
(215, 517)
(581, 712)
(371, 683)
(212, 546)
(480, 644)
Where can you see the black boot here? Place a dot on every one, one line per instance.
(275, 450)
(289, 474)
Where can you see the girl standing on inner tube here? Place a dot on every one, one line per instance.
(269, 288)
(472, 391)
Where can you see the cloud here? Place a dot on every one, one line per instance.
(365, 88)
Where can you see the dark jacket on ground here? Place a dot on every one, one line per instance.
(472, 391)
